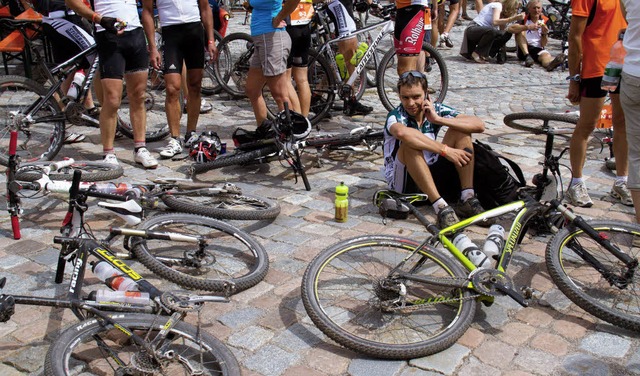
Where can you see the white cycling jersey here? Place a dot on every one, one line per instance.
(126, 10)
(177, 12)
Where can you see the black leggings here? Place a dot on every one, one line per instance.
(485, 40)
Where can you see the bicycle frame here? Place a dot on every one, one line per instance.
(387, 28)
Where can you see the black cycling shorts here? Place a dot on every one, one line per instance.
(122, 54)
(183, 43)
(590, 88)
(300, 44)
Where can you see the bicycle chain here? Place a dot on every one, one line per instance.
(413, 308)
(178, 301)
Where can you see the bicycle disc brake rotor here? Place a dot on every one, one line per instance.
(484, 281)
(179, 301)
(74, 112)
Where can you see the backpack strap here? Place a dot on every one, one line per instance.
(513, 165)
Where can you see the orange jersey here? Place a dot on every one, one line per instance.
(406, 3)
(600, 34)
(303, 13)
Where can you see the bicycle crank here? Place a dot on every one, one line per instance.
(493, 282)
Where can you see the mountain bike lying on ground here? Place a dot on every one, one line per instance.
(398, 298)
(125, 333)
(216, 252)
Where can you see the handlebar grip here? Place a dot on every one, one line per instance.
(61, 164)
(13, 142)
(15, 226)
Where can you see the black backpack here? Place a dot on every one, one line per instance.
(493, 177)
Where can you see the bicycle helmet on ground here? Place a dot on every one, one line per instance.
(206, 148)
(299, 128)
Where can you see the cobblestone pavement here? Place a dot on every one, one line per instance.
(267, 326)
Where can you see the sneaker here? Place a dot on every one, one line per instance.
(205, 107)
(528, 62)
(357, 108)
(190, 138)
(560, 59)
(173, 147)
(577, 195)
(619, 191)
(444, 38)
(111, 159)
(143, 157)
(472, 207)
(447, 217)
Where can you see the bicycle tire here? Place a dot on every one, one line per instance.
(193, 345)
(91, 171)
(233, 255)
(387, 77)
(222, 205)
(539, 122)
(346, 311)
(41, 140)
(235, 51)
(584, 285)
(335, 141)
(210, 84)
(238, 158)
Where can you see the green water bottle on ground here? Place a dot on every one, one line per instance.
(342, 202)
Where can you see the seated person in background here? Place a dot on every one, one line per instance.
(531, 38)
(414, 160)
(486, 36)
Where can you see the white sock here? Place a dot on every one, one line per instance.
(439, 204)
(621, 180)
(575, 181)
(467, 194)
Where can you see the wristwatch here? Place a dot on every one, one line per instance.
(575, 78)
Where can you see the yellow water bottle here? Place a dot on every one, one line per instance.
(342, 202)
(342, 67)
(362, 49)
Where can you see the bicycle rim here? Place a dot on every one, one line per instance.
(435, 69)
(232, 67)
(89, 348)
(229, 255)
(541, 122)
(37, 140)
(587, 287)
(344, 287)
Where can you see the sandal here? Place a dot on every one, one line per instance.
(477, 58)
(74, 137)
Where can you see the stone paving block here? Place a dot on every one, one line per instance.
(444, 362)
(299, 337)
(473, 367)
(241, 318)
(271, 360)
(250, 338)
(606, 345)
(536, 361)
(374, 367)
(584, 365)
(29, 359)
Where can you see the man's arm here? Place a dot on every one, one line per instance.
(207, 21)
(83, 10)
(146, 18)
(578, 25)
(287, 8)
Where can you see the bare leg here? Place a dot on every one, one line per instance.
(589, 114)
(194, 82)
(304, 91)
(136, 92)
(253, 88)
(620, 147)
(172, 104)
(112, 95)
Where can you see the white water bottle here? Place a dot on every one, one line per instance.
(74, 88)
(494, 242)
(130, 297)
(113, 277)
(469, 249)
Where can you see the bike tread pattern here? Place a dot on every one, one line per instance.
(91, 171)
(232, 159)
(224, 206)
(513, 121)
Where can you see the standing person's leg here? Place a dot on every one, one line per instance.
(304, 91)
(454, 8)
(172, 102)
(253, 89)
(111, 98)
(630, 102)
(620, 151)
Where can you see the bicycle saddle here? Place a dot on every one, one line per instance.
(129, 210)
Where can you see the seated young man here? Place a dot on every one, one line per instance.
(414, 160)
(532, 38)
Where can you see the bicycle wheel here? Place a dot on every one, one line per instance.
(231, 69)
(38, 139)
(349, 292)
(221, 205)
(91, 348)
(230, 255)
(336, 141)
(541, 122)
(238, 158)
(436, 71)
(91, 171)
(619, 303)
(210, 84)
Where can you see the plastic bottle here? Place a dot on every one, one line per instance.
(613, 70)
(74, 88)
(113, 277)
(342, 67)
(131, 297)
(494, 242)
(469, 249)
(342, 202)
(362, 49)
